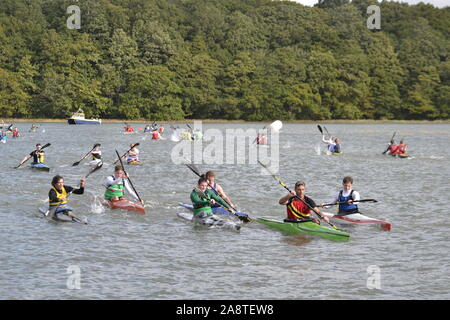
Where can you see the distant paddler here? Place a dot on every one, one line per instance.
(38, 155)
(203, 199)
(58, 195)
(333, 144)
(33, 128)
(96, 155)
(116, 185)
(133, 155)
(16, 133)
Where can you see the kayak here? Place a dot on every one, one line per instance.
(219, 210)
(135, 162)
(307, 228)
(358, 218)
(60, 216)
(210, 221)
(125, 204)
(40, 166)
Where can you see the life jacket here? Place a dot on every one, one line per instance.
(96, 156)
(332, 148)
(155, 135)
(16, 133)
(394, 148)
(161, 130)
(60, 195)
(296, 209)
(115, 190)
(132, 157)
(38, 158)
(346, 207)
(402, 148)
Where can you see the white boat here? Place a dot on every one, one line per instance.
(357, 218)
(78, 118)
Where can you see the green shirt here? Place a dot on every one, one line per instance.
(201, 204)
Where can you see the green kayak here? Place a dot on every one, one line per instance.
(308, 228)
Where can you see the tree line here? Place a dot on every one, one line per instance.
(224, 59)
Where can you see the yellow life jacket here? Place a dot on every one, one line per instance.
(62, 195)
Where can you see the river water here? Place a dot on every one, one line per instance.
(120, 255)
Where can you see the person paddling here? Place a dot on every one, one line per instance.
(116, 184)
(297, 209)
(346, 198)
(402, 149)
(133, 154)
(96, 154)
(38, 156)
(334, 144)
(203, 199)
(16, 133)
(216, 188)
(59, 193)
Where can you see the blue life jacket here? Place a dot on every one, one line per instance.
(346, 208)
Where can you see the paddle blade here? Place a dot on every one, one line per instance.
(276, 125)
(75, 163)
(320, 128)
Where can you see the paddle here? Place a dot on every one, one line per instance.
(78, 162)
(344, 202)
(389, 143)
(43, 147)
(134, 145)
(195, 170)
(129, 180)
(287, 188)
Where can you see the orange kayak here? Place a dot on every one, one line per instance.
(125, 204)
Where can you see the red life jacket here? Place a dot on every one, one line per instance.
(297, 209)
(161, 130)
(394, 148)
(155, 135)
(402, 148)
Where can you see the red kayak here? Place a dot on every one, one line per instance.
(125, 204)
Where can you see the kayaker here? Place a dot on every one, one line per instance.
(161, 129)
(96, 154)
(216, 188)
(128, 128)
(297, 209)
(402, 148)
(38, 155)
(115, 185)
(155, 135)
(334, 144)
(59, 192)
(2, 137)
(392, 148)
(147, 129)
(203, 199)
(346, 198)
(133, 154)
(16, 133)
(261, 139)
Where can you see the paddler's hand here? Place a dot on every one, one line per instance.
(82, 182)
(142, 202)
(212, 202)
(326, 219)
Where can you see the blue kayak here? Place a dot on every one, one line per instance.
(40, 166)
(217, 210)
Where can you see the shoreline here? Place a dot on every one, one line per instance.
(366, 121)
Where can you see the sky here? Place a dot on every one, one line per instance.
(436, 3)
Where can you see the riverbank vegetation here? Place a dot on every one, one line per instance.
(251, 60)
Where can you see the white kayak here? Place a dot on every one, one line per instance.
(357, 218)
(210, 221)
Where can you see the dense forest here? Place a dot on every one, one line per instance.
(224, 59)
